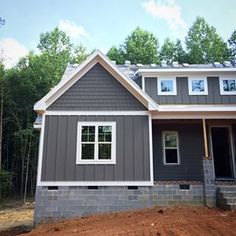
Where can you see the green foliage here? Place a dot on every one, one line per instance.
(116, 54)
(167, 52)
(140, 46)
(232, 45)
(204, 45)
(180, 54)
(79, 54)
(6, 182)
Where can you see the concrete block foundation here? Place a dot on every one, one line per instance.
(65, 202)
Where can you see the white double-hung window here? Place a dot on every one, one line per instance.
(170, 148)
(96, 143)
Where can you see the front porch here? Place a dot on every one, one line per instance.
(195, 150)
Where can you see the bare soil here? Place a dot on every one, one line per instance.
(171, 221)
(16, 218)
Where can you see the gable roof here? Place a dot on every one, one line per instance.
(70, 78)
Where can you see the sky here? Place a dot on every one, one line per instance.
(103, 23)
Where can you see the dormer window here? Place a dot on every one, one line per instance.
(227, 86)
(197, 86)
(166, 86)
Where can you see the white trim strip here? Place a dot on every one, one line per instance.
(95, 183)
(186, 70)
(97, 113)
(151, 149)
(192, 116)
(40, 160)
(200, 108)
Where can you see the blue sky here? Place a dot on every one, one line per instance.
(103, 23)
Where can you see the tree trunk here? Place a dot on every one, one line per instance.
(1, 119)
(27, 169)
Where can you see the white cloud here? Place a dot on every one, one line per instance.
(73, 30)
(169, 11)
(11, 51)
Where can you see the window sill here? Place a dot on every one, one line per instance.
(110, 162)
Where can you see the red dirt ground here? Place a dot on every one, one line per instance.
(171, 221)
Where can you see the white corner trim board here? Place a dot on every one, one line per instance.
(151, 149)
(96, 57)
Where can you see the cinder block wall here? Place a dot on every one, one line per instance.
(68, 202)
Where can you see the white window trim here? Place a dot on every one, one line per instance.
(79, 142)
(159, 92)
(190, 79)
(222, 92)
(164, 148)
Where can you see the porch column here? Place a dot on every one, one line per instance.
(205, 139)
(208, 172)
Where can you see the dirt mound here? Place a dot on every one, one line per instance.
(156, 221)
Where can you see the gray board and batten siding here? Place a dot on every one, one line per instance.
(97, 90)
(132, 150)
(191, 151)
(183, 96)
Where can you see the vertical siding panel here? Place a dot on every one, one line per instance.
(186, 97)
(146, 151)
(216, 91)
(170, 99)
(61, 148)
(109, 169)
(232, 99)
(79, 169)
(100, 169)
(45, 163)
(178, 98)
(225, 99)
(202, 99)
(210, 98)
(138, 148)
(129, 148)
(52, 147)
(119, 171)
(89, 174)
(71, 165)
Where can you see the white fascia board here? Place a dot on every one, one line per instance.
(197, 108)
(233, 69)
(48, 99)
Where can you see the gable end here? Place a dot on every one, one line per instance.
(97, 90)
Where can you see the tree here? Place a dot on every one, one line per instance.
(116, 54)
(167, 52)
(180, 54)
(232, 45)
(56, 50)
(140, 46)
(79, 54)
(3, 96)
(203, 43)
